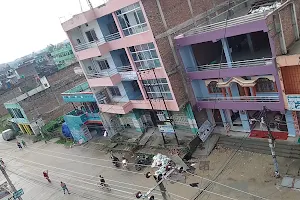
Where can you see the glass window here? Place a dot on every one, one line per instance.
(103, 64)
(114, 91)
(157, 89)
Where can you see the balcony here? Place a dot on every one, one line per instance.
(239, 68)
(104, 78)
(244, 17)
(127, 74)
(79, 118)
(241, 102)
(106, 104)
(89, 45)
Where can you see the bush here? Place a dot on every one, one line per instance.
(53, 124)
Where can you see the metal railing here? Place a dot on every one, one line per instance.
(112, 37)
(221, 25)
(237, 64)
(242, 99)
(88, 45)
(138, 28)
(106, 73)
(124, 68)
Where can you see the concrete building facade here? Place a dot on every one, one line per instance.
(231, 64)
(134, 76)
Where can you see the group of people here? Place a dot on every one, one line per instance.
(116, 161)
(62, 184)
(20, 145)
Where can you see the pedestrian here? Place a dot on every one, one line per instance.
(19, 145)
(64, 187)
(24, 143)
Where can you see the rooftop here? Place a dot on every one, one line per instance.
(82, 88)
(246, 11)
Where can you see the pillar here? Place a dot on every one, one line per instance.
(191, 118)
(224, 117)
(223, 92)
(229, 92)
(253, 90)
(210, 116)
(245, 120)
(227, 51)
(188, 58)
(250, 43)
(290, 123)
(136, 115)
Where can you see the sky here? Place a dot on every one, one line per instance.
(31, 25)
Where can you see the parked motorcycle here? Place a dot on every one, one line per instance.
(115, 160)
(142, 161)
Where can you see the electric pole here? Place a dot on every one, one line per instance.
(8, 180)
(271, 142)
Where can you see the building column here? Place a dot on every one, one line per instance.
(253, 91)
(118, 24)
(245, 120)
(292, 122)
(223, 92)
(191, 118)
(246, 91)
(136, 115)
(229, 91)
(250, 43)
(224, 117)
(210, 116)
(188, 58)
(227, 51)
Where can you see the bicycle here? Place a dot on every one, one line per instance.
(104, 187)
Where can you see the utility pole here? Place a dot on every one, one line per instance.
(162, 188)
(271, 142)
(8, 180)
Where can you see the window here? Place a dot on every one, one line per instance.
(212, 87)
(124, 59)
(91, 35)
(135, 86)
(157, 88)
(103, 64)
(265, 85)
(15, 113)
(145, 56)
(78, 41)
(114, 91)
(90, 68)
(137, 22)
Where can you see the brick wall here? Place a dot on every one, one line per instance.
(287, 27)
(291, 79)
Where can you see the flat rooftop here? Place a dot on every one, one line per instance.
(81, 88)
(242, 12)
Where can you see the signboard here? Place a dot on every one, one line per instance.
(293, 102)
(18, 193)
(205, 130)
(166, 128)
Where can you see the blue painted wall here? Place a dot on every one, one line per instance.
(132, 95)
(290, 123)
(103, 22)
(116, 55)
(79, 98)
(188, 57)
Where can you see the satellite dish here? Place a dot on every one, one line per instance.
(78, 70)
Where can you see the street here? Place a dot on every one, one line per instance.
(79, 168)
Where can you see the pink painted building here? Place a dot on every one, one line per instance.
(131, 72)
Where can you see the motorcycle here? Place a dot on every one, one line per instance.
(142, 161)
(115, 161)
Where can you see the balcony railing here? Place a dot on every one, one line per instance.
(237, 64)
(138, 28)
(241, 99)
(106, 73)
(88, 45)
(112, 37)
(124, 68)
(229, 23)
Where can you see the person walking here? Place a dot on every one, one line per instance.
(64, 187)
(19, 145)
(24, 143)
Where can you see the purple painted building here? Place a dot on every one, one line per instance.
(232, 69)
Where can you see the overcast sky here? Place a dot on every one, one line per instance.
(30, 25)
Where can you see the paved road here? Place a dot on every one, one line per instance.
(79, 168)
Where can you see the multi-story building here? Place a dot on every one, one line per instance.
(84, 121)
(231, 64)
(63, 55)
(129, 71)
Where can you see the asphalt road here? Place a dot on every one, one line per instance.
(79, 168)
